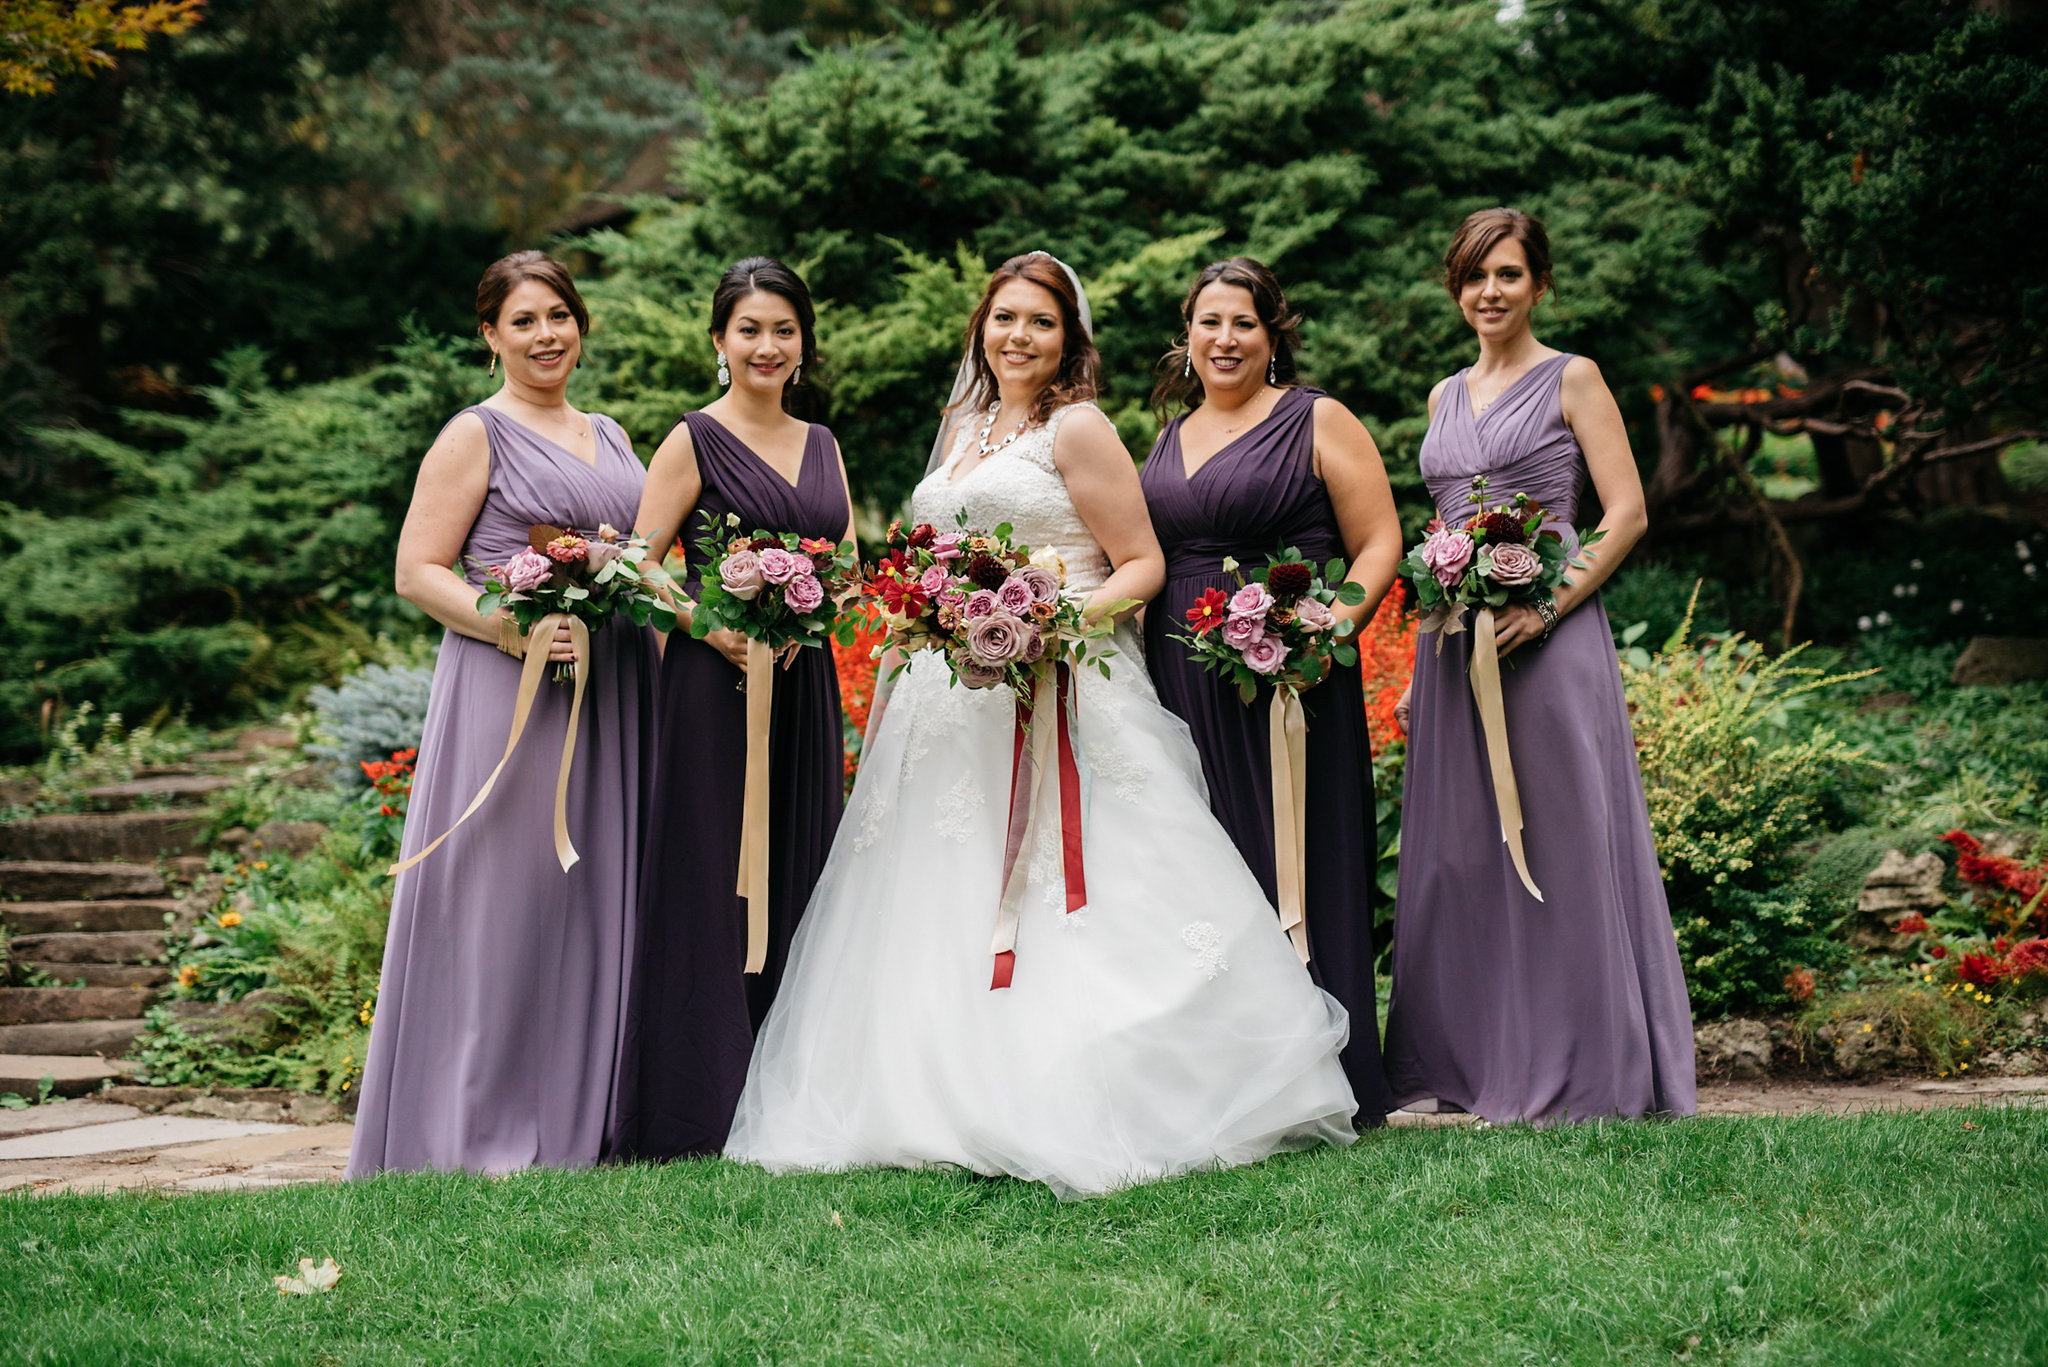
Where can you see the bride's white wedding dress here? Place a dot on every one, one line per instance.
(1167, 1026)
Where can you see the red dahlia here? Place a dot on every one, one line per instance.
(1981, 969)
(1502, 529)
(1289, 580)
(762, 543)
(987, 572)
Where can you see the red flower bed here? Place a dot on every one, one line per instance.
(1386, 658)
(857, 686)
(2007, 888)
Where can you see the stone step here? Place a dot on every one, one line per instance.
(74, 1076)
(103, 975)
(42, 918)
(52, 880)
(174, 790)
(108, 1037)
(90, 947)
(135, 836)
(49, 1005)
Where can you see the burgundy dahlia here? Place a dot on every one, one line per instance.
(1502, 529)
(987, 572)
(1289, 580)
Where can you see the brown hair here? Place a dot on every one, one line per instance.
(1481, 232)
(1176, 387)
(1077, 379)
(502, 276)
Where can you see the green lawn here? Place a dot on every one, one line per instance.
(1883, 1239)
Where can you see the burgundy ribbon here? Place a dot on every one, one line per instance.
(1026, 757)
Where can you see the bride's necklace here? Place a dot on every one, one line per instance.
(981, 442)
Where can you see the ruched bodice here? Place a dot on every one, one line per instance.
(547, 484)
(1521, 443)
(1258, 493)
(738, 481)
(1022, 486)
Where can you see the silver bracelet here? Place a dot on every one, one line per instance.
(1546, 609)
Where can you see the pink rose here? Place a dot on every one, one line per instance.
(1314, 615)
(1251, 601)
(934, 580)
(1447, 553)
(778, 566)
(945, 548)
(528, 570)
(1240, 632)
(1044, 584)
(740, 575)
(1515, 565)
(803, 593)
(1015, 596)
(996, 639)
(980, 603)
(1266, 655)
(974, 673)
(1034, 646)
(602, 553)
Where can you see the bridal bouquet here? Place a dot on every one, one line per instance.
(775, 587)
(990, 606)
(1497, 556)
(1277, 627)
(591, 577)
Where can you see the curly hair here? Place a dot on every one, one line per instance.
(1179, 389)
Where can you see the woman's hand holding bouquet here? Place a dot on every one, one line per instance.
(1277, 627)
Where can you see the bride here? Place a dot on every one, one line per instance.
(1163, 1027)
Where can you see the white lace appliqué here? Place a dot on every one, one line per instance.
(1112, 762)
(1207, 943)
(958, 808)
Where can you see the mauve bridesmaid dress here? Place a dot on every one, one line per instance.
(497, 1026)
(692, 1014)
(1255, 495)
(1573, 1007)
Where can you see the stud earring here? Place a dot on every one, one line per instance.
(724, 375)
(1273, 368)
(494, 365)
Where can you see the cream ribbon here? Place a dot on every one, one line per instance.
(753, 880)
(1486, 692)
(522, 707)
(1043, 760)
(1287, 739)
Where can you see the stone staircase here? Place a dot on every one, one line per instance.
(85, 901)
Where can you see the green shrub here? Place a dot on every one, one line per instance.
(1728, 792)
(1832, 871)
(1945, 1029)
(374, 711)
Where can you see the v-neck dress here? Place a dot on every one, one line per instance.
(497, 1025)
(1571, 1008)
(1255, 495)
(693, 1013)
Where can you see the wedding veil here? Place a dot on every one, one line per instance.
(951, 416)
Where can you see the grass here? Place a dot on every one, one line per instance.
(1894, 1238)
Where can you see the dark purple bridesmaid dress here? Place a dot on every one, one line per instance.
(692, 1012)
(1257, 494)
(497, 1025)
(1573, 1007)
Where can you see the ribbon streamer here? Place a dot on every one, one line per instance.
(522, 707)
(753, 879)
(1486, 692)
(1287, 742)
(1037, 750)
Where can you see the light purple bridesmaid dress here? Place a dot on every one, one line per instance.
(1573, 1007)
(497, 1026)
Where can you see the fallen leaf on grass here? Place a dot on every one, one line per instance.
(1971, 1125)
(310, 1280)
(837, 1223)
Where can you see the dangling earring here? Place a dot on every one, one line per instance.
(724, 375)
(493, 371)
(1273, 368)
(1187, 369)
(796, 377)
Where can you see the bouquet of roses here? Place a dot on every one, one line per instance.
(1498, 556)
(775, 587)
(1277, 627)
(993, 608)
(590, 576)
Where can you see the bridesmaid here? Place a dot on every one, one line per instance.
(1573, 1007)
(690, 1028)
(1263, 462)
(497, 1025)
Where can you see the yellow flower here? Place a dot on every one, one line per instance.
(230, 918)
(1964, 1068)
(263, 863)
(188, 975)
(1868, 1027)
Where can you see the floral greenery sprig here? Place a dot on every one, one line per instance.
(593, 577)
(776, 587)
(1500, 555)
(1278, 627)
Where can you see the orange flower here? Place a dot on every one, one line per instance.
(230, 919)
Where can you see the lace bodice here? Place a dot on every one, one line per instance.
(1019, 485)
